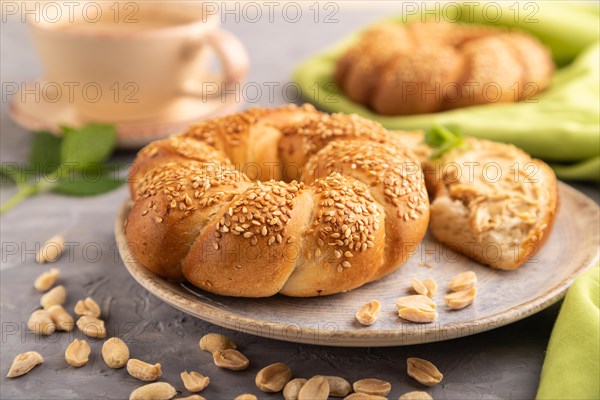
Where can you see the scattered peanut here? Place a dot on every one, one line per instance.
(41, 323)
(23, 363)
(273, 378)
(192, 397)
(215, 341)
(338, 386)
(58, 295)
(431, 286)
(143, 371)
(194, 381)
(230, 359)
(316, 388)
(78, 353)
(246, 396)
(115, 353)
(461, 299)
(463, 281)
(372, 386)
(417, 308)
(368, 313)
(292, 388)
(419, 287)
(154, 391)
(423, 371)
(51, 250)
(416, 396)
(87, 307)
(61, 318)
(46, 279)
(91, 326)
(364, 396)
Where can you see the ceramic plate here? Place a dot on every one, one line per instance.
(503, 296)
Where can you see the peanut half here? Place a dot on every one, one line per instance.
(364, 396)
(230, 359)
(23, 363)
(192, 397)
(78, 353)
(368, 313)
(154, 391)
(416, 396)
(427, 287)
(41, 322)
(91, 326)
(463, 281)
(58, 295)
(88, 307)
(273, 378)
(372, 386)
(194, 381)
(338, 386)
(46, 279)
(461, 299)
(423, 371)
(143, 371)
(51, 250)
(115, 352)
(316, 388)
(292, 388)
(417, 308)
(61, 318)
(213, 342)
(246, 396)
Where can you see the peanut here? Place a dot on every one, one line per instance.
(23, 363)
(273, 378)
(91, 326)
(419, 315)
(194, 381)
(372, 386)
(115, 352)
(461, 299)
(419, 287)
(143, 371)
(51, 250)
(230, 359)
(338, 386)
(87, 307)
(463, 281)
(368, 313)
(58, 295)
(431, 286)
(316, 388)
(78, 353)
(46, 279)
(423, 371)
(214, 342)
(364, 396)
(416, 396)
(415, 301)
(292, 388)
(246, 396)
(192, 397)
(41, 323)
(61, 318)
(154, 391)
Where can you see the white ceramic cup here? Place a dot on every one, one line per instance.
(133, 63)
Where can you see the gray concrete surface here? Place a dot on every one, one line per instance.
(501, 364)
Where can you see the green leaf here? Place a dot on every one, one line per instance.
(81, 185)
(91, 143)
(442, 139)
(45, 153)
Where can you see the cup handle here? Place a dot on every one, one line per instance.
(232, 54)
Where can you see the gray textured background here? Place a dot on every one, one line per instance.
(504, 363)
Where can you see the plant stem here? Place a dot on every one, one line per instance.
(23, 193)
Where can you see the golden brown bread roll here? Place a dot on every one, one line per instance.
(225, 233)
(403, 69)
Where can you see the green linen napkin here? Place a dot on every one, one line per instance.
(571, 369)
(562, 127)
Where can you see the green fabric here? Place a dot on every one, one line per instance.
(563, 127)
(571, 369)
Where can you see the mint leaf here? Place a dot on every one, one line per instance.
(91, 143)
(80, 185)
(45, 152)
(442, 139)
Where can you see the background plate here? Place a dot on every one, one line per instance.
(503, 296)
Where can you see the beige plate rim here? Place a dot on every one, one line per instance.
(177, 296)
